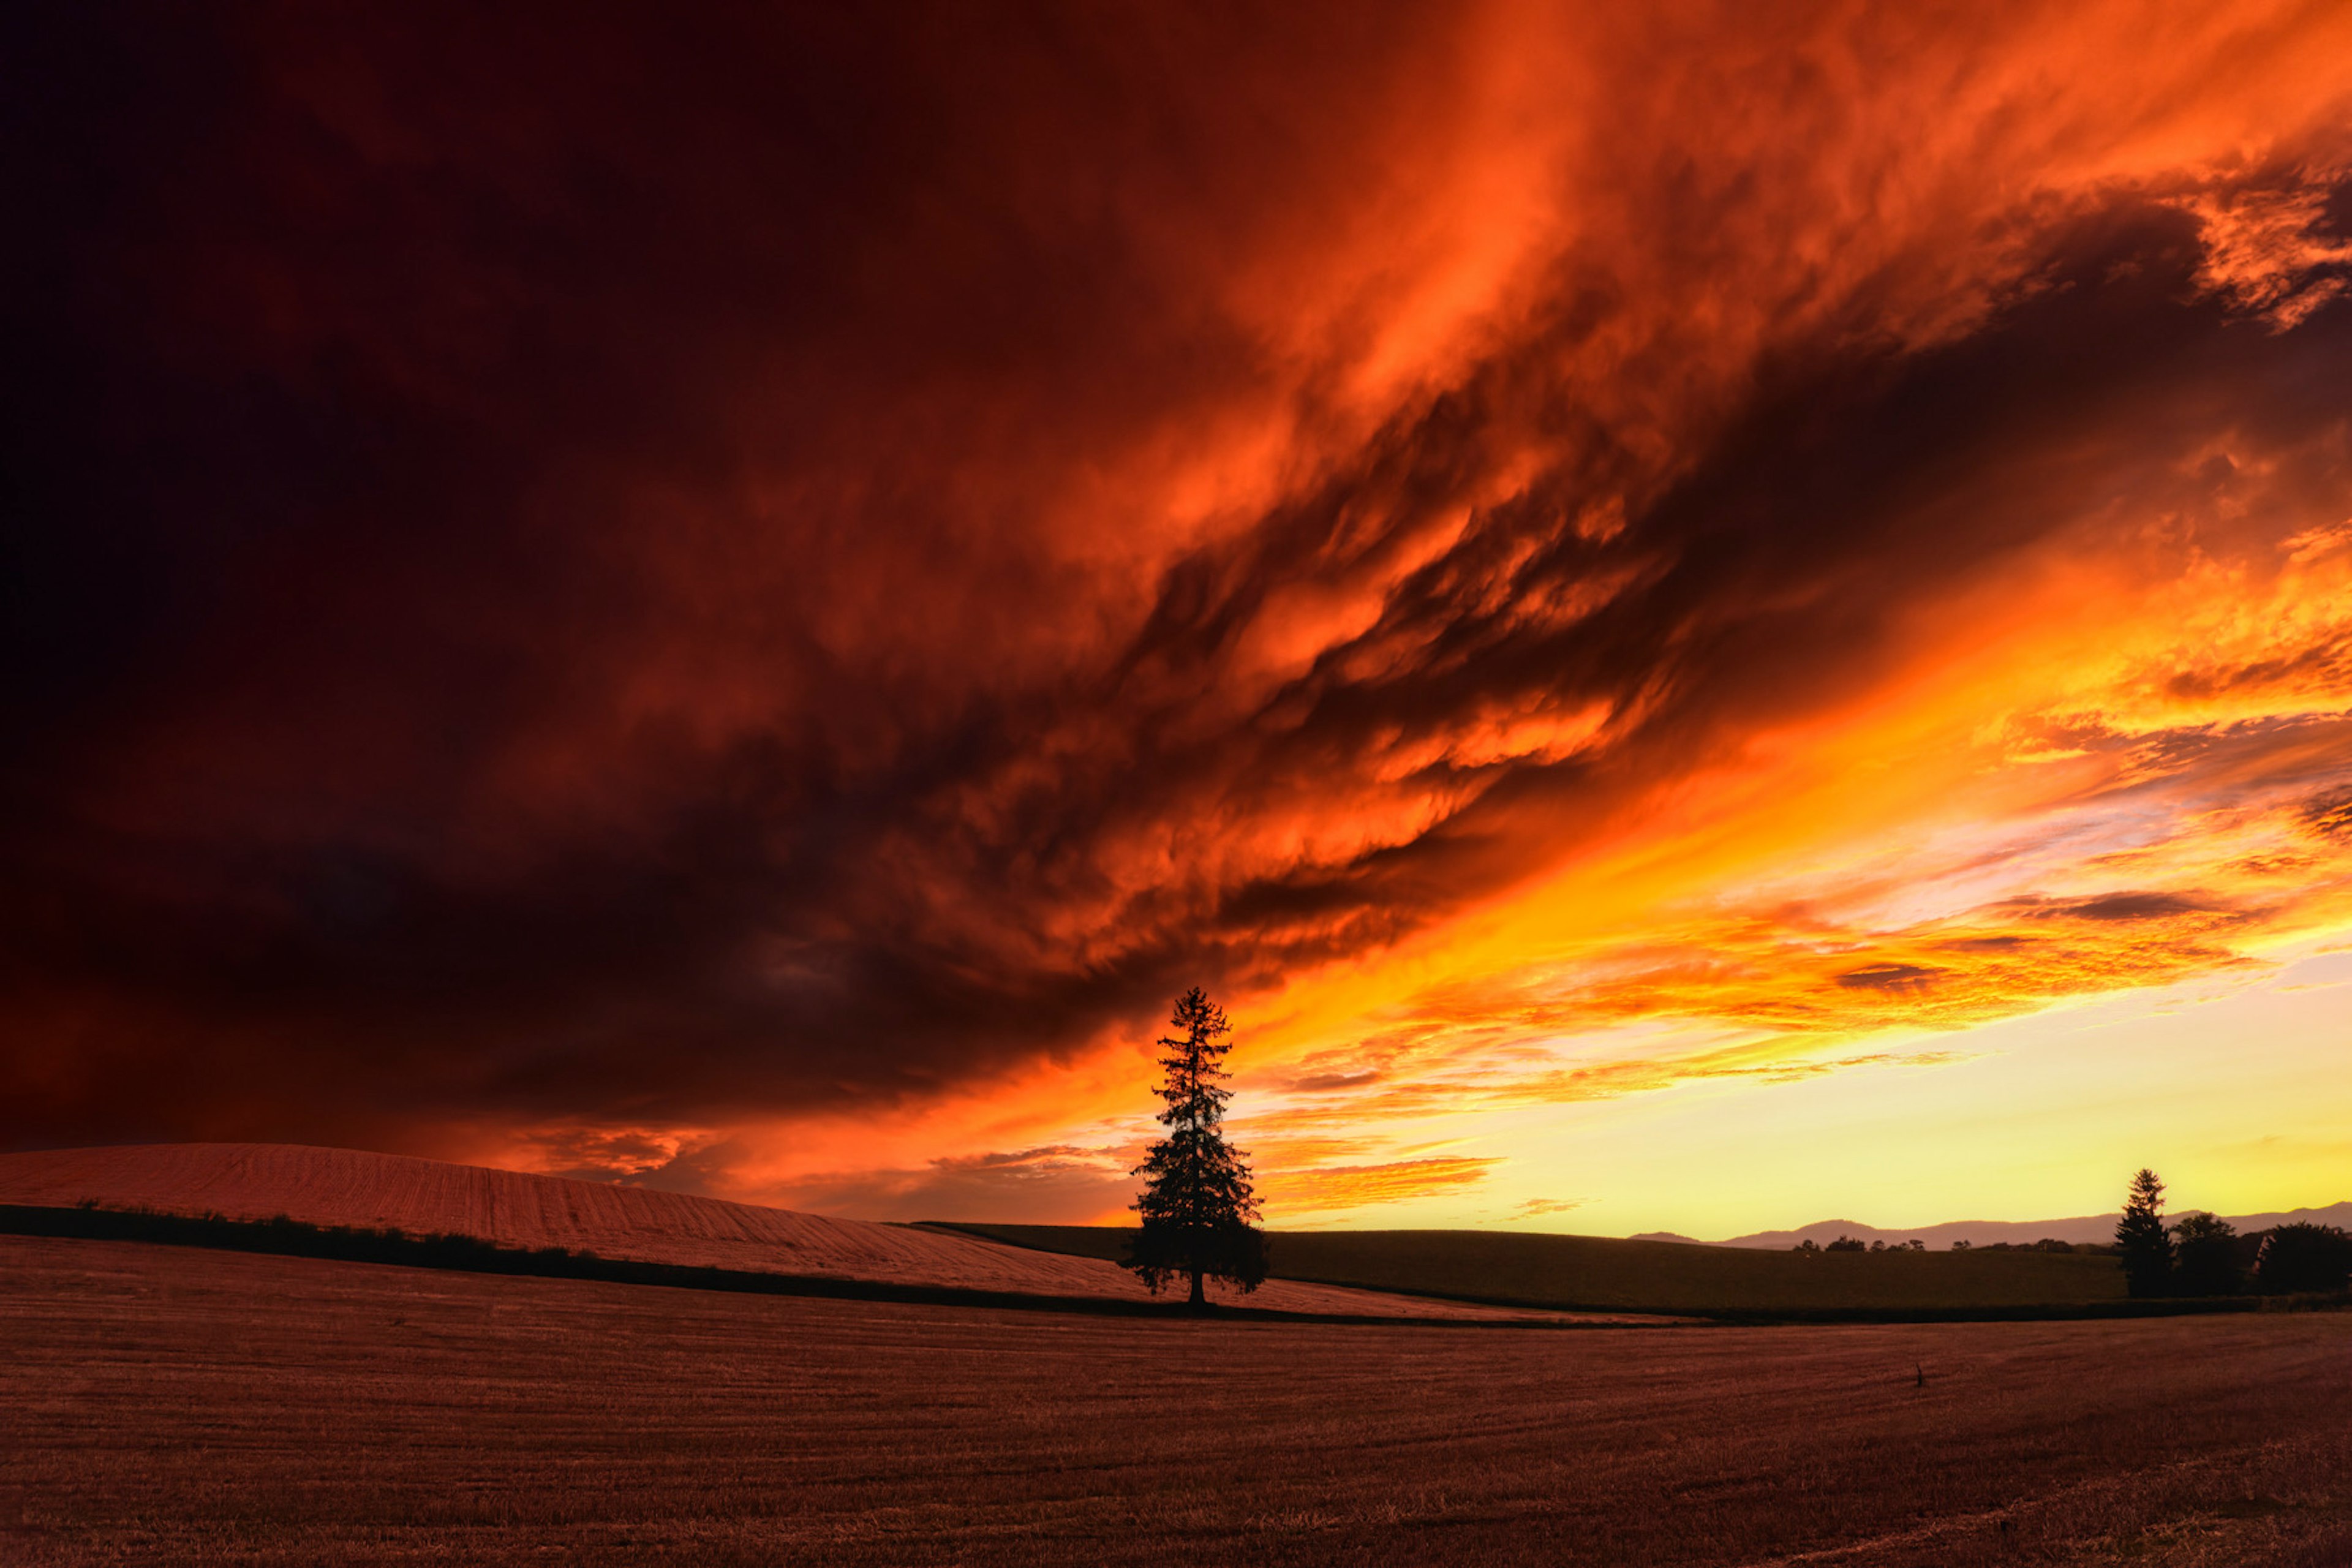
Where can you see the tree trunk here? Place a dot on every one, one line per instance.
(1199, 1299)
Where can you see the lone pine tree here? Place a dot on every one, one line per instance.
(2141, 1238)
(1197, 1202)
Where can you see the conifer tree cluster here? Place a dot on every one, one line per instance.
(1198, 1202)
(2203, 1255)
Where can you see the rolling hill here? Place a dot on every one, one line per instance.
(350, 1187)
(1599, 1273)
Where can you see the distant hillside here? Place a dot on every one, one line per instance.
(348, 1187)
(1607, 1273)
(2092, 1229)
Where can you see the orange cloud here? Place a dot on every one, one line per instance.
(740, 603)
(1335, 1188)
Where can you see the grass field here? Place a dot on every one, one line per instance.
(176, 1406)
(1596, 1272)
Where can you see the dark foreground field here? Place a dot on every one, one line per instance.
(176, 1406)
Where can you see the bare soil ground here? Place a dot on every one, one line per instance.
(348, 1187)
(168, 1405)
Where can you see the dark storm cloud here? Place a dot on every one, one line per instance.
(576, 568)
(388, 581)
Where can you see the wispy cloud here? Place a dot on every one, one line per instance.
(1315, 1189)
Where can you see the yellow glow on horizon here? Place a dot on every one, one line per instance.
(1917, 801)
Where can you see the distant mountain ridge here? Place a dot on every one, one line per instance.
(1985, 1232)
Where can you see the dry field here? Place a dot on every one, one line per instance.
(179, 1405)
(345, 1186)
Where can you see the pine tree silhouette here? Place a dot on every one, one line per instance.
(1198, 1202)
(2142, 1238)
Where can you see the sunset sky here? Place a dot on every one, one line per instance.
(1699, 616)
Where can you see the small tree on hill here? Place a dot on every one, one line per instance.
(1197, 1202)
(2141, 1238)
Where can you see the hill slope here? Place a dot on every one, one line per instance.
(1604, 1273)
(2097, 1228)
(346, 1187)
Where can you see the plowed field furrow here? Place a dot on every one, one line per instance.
(171, 1405)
